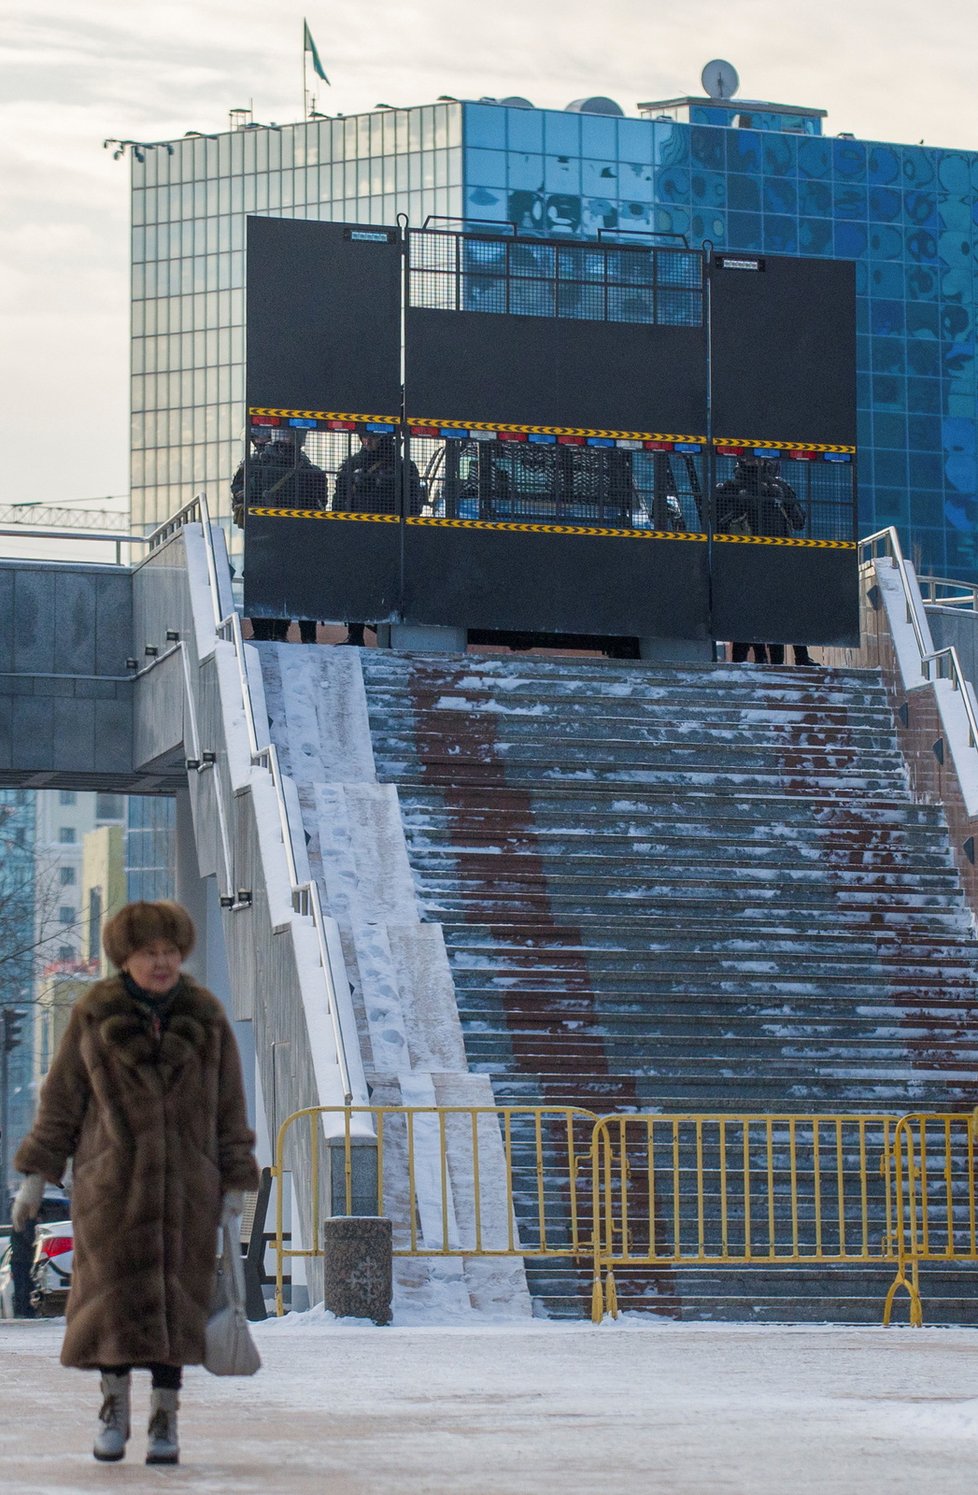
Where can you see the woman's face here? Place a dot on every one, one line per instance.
(156, 966)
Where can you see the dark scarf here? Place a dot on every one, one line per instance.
(154, 1006)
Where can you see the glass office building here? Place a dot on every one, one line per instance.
(741, 175)
(18, 916)
(150, 847)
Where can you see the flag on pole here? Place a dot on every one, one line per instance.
(308, 45)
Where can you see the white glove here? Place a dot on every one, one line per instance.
(232, 1206)
(27, 1201)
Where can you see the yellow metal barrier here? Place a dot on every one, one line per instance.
(453, 1179)
(733, 1190)
(658, 1191)
(935, 1182)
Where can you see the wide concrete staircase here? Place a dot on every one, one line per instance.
(624, 887)
(689, 888)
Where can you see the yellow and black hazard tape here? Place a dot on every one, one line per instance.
(515, 526)
(482, 425)
(268, 513)
(283, 414)
(526, 527)
(785, 540)
(782, 446)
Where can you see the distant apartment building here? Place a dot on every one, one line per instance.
(101, 893)
(64, 818)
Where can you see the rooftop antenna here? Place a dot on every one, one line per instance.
(719, 79)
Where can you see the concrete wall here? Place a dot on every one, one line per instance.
(65, 693)
(954, 627)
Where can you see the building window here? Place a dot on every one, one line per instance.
(66, 914)
(66, 876)
(65, 952)
(66, 835)
(94, 922)
(110, 806)
(67, 797)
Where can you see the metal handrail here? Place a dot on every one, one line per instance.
(305, 896)
(190, 514)
(966, 596)
(41, 532)
(935, 664)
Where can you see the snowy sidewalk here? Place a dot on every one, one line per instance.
(534, 1409)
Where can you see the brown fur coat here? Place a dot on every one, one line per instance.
(158, 1131)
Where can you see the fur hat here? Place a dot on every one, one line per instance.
(139, 924)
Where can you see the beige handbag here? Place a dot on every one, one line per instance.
(230, 1349)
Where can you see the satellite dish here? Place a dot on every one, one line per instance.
(596, 105)
(720, 79)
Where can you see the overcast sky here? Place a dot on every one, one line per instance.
(73, 72)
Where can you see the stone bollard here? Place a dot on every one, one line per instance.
(358, 1273)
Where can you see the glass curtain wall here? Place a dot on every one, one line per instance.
(190, 199)
(905, 214)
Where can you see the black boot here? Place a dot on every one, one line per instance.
(354, 635)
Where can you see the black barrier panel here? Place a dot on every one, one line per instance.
(783, 344)
(323, 566)
(524, 332)
(532, 372)
(338, 569)
(539, 581)
(784, 593)
(323, 316)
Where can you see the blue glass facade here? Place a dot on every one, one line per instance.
(907, 216)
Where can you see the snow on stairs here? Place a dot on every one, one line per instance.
(403, 996)
(686, 888)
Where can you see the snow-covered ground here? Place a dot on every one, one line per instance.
(538, 1408)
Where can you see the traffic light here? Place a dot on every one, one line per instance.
(12, 1021)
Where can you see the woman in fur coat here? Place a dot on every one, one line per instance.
(145, 1094)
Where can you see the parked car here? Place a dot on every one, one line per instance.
(51, 1261)
(54, 1245)
(6, 1281)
